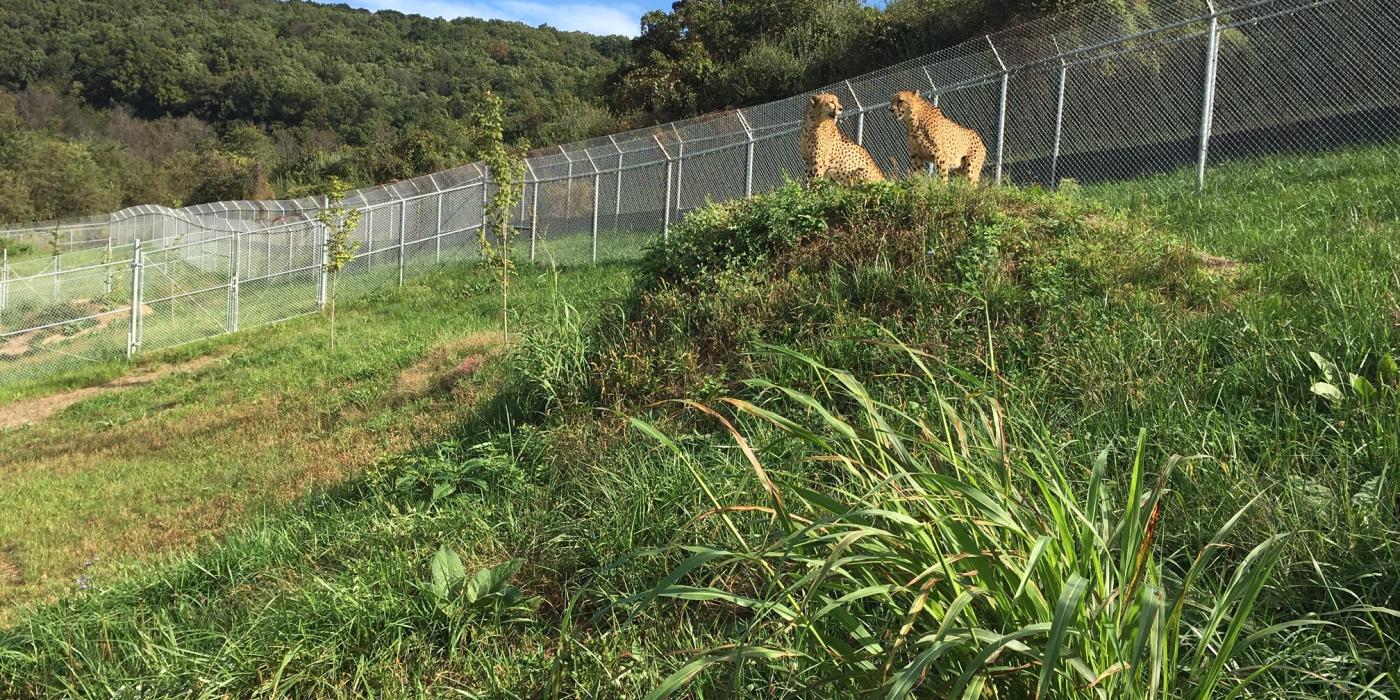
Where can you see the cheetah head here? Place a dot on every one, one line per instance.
(824, 106)
(902, 104)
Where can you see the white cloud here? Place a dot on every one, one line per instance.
(613, 18)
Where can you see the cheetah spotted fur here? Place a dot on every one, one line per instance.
(934, 138)
(827, 152)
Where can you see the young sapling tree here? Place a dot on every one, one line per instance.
(340, 222)
(506, 167)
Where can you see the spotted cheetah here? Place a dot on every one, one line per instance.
(934, 138)
(827, 152)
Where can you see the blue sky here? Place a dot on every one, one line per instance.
(593, 16)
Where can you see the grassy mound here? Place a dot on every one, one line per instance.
(977, 277)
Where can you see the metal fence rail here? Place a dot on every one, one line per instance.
(1096, 93)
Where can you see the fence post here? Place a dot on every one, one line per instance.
(1208, 96)
(1059, 120)
(485, 185)
(323, 279)
(235, 265)
(107, 282)
(403, 225)
(133, 334)
(680, 167)
(369, 231)
(596, 183)
(534, 206)
(617, 197)
(437, 238)
(534, 219)
(748, 155)
(5, 279)
(932, 86)
(568, 185)
(860, 114)
(1001, 112)
(666, 207)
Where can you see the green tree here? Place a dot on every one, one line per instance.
(506, 167)
(340, 222)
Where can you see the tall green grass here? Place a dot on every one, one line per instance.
(950, 548)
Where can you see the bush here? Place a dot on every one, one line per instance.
(15, 247)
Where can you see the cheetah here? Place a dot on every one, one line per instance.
(827, 152)
(934, 138)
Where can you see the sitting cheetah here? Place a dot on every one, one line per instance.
(827, 152)
(934, 138)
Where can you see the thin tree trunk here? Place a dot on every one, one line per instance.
(335, 277)
(505, 280)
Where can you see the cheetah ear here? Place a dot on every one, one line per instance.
(815, 99)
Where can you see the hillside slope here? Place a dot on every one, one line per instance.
(1000, 463)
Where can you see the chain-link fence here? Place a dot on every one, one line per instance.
(1105, 91)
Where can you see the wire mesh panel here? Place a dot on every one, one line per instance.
(1302, 76)
(183, 301)
(1134, 113)
(565, 220)
(1103, 91)
(461, 219)
(777, 159)
(421, 240)
(287, 285)
(1032, 114)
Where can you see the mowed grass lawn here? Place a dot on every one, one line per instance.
(184, 443)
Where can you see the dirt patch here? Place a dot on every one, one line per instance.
(33, 410)
(9, 569)
(446, 364)
(17, 346)
(1219, 265)
(27, 343)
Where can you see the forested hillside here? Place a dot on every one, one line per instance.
(111, 103)
(706, 55)
(117, 102)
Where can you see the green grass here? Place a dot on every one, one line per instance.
(187, 302)
(138, 472)
(1094, 467)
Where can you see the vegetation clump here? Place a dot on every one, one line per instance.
(974, 275)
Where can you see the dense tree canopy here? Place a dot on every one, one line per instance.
(705, 55)
(121, 102)
(110, 103)
(296, 64)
